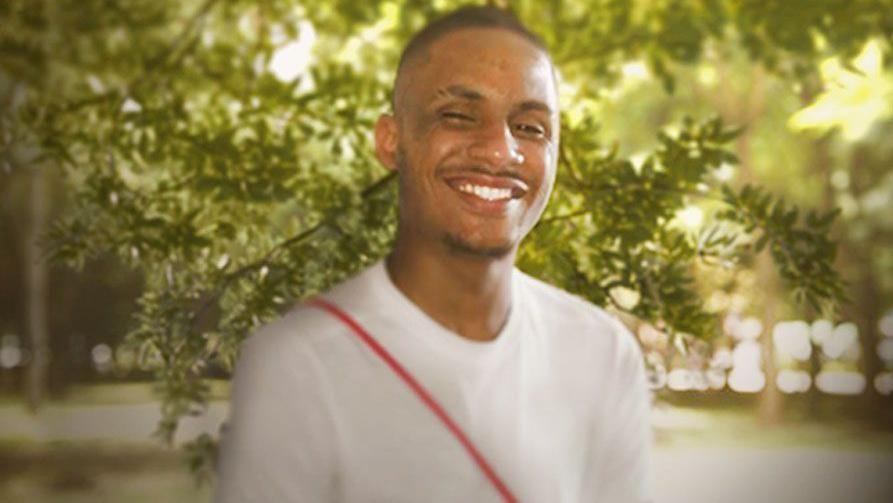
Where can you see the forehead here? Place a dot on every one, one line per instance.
(497, 63)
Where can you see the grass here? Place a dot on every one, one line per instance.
(129, 393)
(729, 420)
(116, 393)
(689, 427)
(95, 472)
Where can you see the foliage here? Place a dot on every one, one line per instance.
(235, 190)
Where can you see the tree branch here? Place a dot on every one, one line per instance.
(239, 273)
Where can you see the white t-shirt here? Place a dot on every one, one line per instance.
(557, 404)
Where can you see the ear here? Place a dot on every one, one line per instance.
(386, 141)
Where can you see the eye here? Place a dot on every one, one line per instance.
(534, 130)
(452, 115)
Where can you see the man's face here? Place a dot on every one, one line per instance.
(475, 139)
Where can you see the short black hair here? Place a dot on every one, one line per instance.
(472, 16)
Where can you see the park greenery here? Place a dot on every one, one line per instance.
(222, 149)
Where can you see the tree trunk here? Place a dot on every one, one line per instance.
(771, 402)
(822, 163)
(865, 310)
(821, 166)
(36, 292)
(770, 408)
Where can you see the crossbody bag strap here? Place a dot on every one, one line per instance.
(420, 392)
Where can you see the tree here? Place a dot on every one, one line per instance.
(852, 114)
(207, 150)
(36, 290)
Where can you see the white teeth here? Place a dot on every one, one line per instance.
(488, 193)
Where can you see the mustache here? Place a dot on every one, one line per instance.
(483, 170)
(403, 163)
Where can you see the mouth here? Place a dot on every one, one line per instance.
(486, 187)
(487, 195)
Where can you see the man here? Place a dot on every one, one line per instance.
(544, 394)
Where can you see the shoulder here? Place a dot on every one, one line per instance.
(300, 327)
(308, 331)
(286, 349)
(581, 321)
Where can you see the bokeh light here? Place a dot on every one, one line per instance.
(11, 354)
(791, 339)
(747, 380)
(841, 339)
(885, 349)
(793, 381)
(840, 382)
(750, 328)
(292, 58)
(687, 379)
(722, 359)
(883, 383)
(679, 380)
(747, 354)
(690, 217)
(651, 337)
(885, 325)
(102, 358)
(716, 378)
(821, 330)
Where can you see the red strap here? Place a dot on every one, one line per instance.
(421, 392)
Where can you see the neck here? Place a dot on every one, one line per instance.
(468, 294)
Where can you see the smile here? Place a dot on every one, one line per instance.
(486, 193)
(487, 187)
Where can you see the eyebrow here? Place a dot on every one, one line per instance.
(461, 92)
(467, 93)
(535, 105)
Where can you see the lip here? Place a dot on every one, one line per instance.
(515, 185)
(484, 207)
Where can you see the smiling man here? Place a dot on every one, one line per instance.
(443, 373)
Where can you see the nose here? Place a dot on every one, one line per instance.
(496, 146)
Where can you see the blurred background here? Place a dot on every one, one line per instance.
(783, 403)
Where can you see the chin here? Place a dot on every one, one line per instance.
(467, 247)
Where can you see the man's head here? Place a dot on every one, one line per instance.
(474, 133)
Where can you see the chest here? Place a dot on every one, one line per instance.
(530, 424)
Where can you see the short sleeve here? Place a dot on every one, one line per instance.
(620, 465)
(278, 443)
